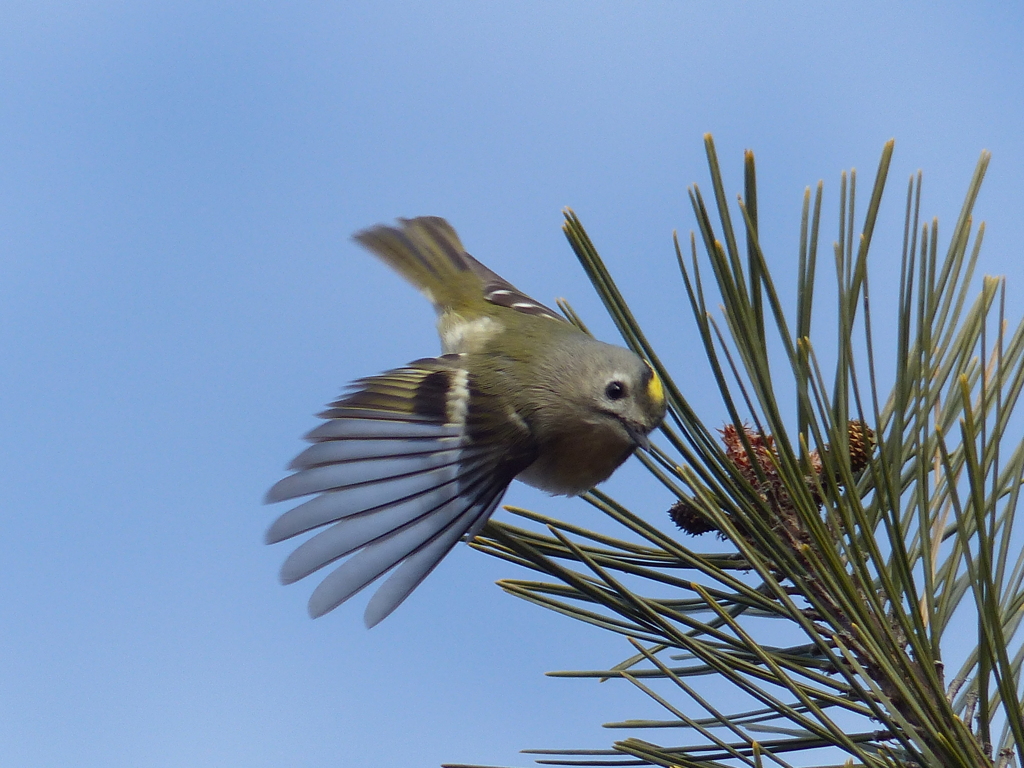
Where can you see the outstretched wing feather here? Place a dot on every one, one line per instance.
(352, 529)
(364, 428)
(377, 558)
(396, 478)
(417, 566)
(331, 477)
(333, 451)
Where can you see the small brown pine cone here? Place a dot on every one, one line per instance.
(862, 444)
(688, 517)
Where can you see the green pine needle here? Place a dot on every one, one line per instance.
(861, 522)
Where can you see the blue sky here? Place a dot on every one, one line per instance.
(179, 294)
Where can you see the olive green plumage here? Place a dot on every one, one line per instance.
(412, 460)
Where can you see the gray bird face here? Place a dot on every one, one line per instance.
(624, 388)
(597, 404)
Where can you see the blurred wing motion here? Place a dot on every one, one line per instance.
(395, 481)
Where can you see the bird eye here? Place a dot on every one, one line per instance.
(616, 390)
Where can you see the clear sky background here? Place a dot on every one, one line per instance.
(179, 294)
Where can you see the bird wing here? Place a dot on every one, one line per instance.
(400, 470)
(499, 291)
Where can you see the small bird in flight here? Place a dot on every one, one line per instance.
(408, 462)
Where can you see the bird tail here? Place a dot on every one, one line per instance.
(427, 252)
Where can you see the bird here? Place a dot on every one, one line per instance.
(407, 463)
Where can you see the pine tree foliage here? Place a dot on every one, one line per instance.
(871, 523)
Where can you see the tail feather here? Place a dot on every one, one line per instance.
(427, 252)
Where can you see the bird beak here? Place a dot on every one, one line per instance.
(639, 436)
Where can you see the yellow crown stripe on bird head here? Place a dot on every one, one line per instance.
(654, 389)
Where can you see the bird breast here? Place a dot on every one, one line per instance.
(572, 464)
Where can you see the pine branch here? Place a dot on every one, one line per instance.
(861, 521)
